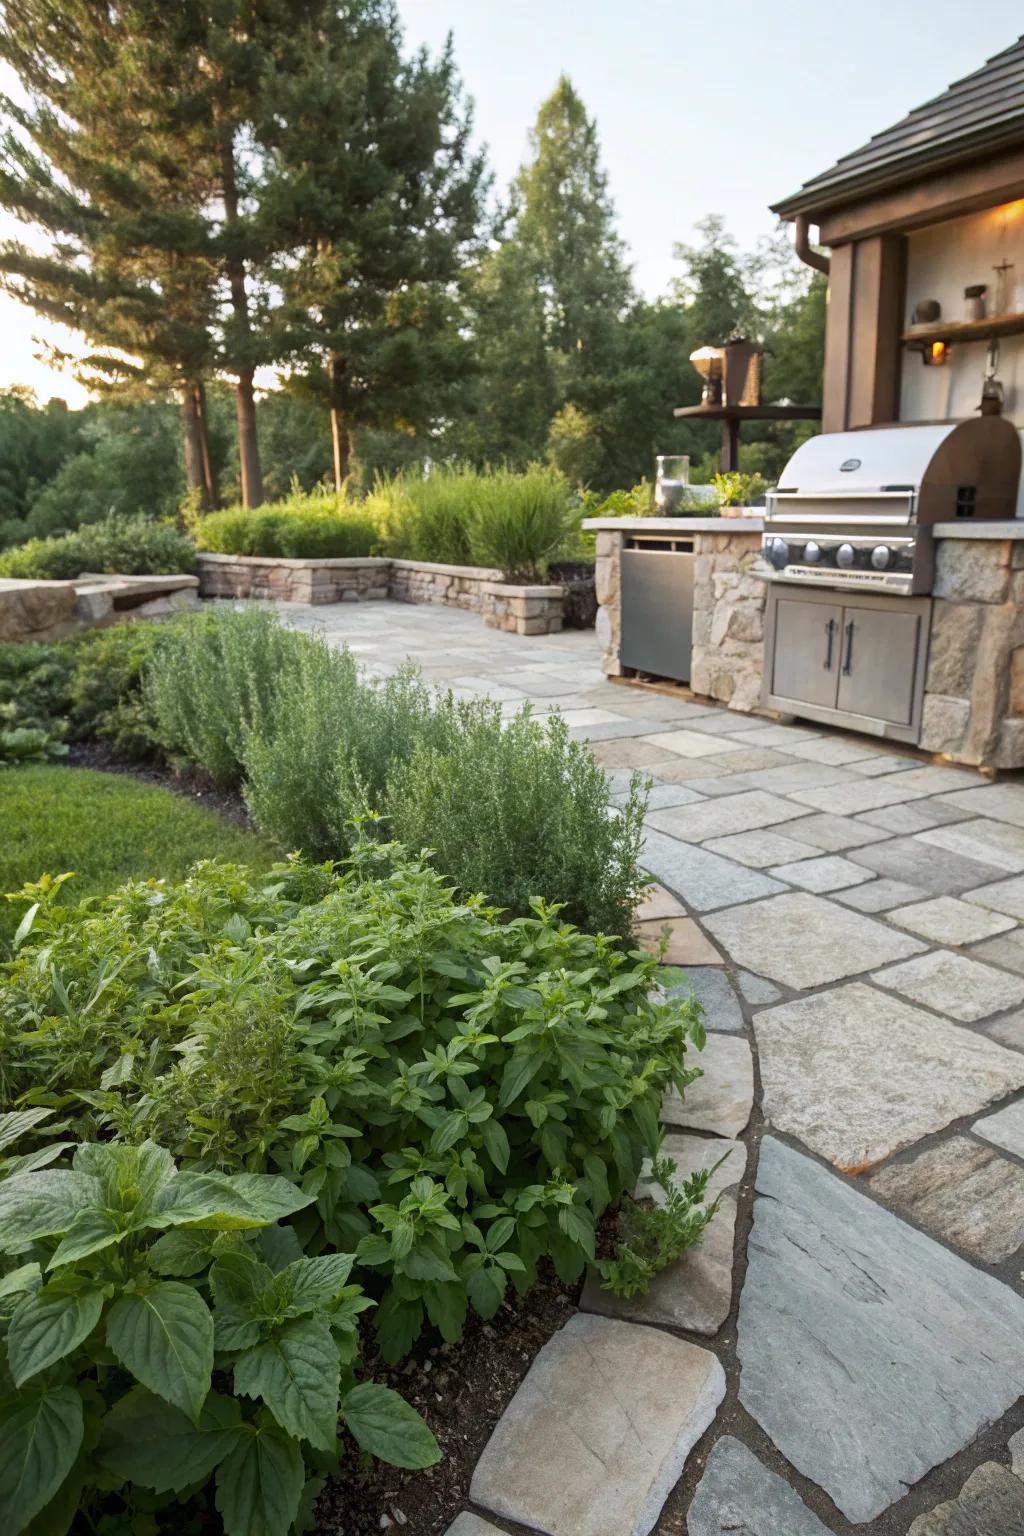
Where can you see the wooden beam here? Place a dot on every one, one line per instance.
(837, 341)
(928, 200)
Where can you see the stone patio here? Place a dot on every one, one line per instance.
(845, 1352)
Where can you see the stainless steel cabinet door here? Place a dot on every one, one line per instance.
(657, 612)
(878, 663)
(806, 653)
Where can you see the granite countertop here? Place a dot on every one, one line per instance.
(1009, 528)
(680, 526)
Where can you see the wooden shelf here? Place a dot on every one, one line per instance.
(751, 412)
(952, 331)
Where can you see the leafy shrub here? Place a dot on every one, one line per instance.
(26, 743)
(126, 1282)
(737, 489)
(105, 692)
(34, 679)
(303, 527)
(211, 680)
(458, 1094)
(131, 546)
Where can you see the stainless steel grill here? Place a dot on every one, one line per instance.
(854, 509)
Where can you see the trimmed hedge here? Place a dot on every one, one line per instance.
(127, 546)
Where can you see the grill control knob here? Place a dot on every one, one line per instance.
(778, 553)
(812, 553)
(845, 555)
(881, 557)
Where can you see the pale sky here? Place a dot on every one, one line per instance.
(721, 107)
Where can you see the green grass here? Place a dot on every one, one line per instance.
(107, 829)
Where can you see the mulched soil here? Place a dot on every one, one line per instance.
(191, 786)
(461, 1390)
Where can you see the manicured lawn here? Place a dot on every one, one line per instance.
(108, 829)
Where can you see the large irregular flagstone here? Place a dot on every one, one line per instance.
(738, 1496)
(938, 870)
(863, 795)
(711, 986)
(721, 1100)
(1000, 802)
(953, 984)
(704, 880)
(962, 1191)
(857, 1075)
(1002, 896)
(760, 848)
(827, 872)
(948, 920)
(994, 841)
(805, 941)
(468, 1524)
(834, 833)
(599, 1431)
(991, 1503)
(880, 895)
(746, 812)
(694, 1293)
(868, 1353)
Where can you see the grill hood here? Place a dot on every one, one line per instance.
(934, 462)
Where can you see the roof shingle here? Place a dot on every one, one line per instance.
(976, 115)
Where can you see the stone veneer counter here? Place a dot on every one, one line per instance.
(974, 682)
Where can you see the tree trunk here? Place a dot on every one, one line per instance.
(192, 442)
(341, 439)
(245, 404)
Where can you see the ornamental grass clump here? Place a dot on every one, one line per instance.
(457, 1096)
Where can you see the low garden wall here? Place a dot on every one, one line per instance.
(523, 609)
(53, 610)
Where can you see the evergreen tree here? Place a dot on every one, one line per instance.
(549, 302)
(374, 197)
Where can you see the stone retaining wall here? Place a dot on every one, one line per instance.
(53, 610)
(524, 610)
(728, 619)
(974, 686)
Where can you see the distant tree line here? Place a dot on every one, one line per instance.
(229, 186)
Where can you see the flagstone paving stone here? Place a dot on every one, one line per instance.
(872, 767)
(716, 994)
(919, 863)
(1004, 1129)
(705, 879)
(744, 812)
(856, 1075)
(946, 920)
(630, 752)
(834, 834)
(468, 1524)
(954, 984)
(805, 941)
(991, 1503)
(993, 841)
(756, 989)
(868, 1352)
(834, 750)
(1007, 950)
(722, 1099)
(796, 775)
(694, 1293)
(880, 895)
(1002, 802)
(691, 743)
(1002, 896)
(913, 816)
(1008, 1030)
(963, 1192)
(686, 944)
(760, 848)
(599, 1431)
(658, 903)
(831, 872)
(738, 1496)
(850, 799)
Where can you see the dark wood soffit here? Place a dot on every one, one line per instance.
(928, 200)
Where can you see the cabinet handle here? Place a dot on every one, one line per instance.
(830, 630)
(848, 662)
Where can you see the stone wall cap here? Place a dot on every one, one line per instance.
(332, 562)
(29, 583)
(432, 567)
(509, 589)
(93, 581)
(677, 526)
(1009, 528)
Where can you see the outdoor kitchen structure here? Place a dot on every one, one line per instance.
(883, 587)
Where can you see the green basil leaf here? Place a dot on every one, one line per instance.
(387, 1426)
(34, 1205)
(47, 1326)
(148, 1442)
(164, 1336)
(296, 1373)
(40, 1435)
(308, 1285)
(259, 1483)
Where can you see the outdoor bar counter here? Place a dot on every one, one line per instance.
(972, 663)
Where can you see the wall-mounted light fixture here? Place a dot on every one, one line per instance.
(935, 355)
